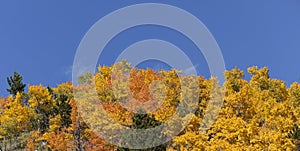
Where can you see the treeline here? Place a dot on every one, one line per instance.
(260, 114)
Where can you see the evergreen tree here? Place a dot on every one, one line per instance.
(295, 134)
(15, 84)
(141, 120)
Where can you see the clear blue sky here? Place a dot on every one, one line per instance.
(39, 39)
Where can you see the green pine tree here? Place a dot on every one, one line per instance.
(15, 84)
(142, 120)
(295, 134)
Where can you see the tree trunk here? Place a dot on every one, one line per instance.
(77, 136)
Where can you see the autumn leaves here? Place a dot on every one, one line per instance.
(260, 114)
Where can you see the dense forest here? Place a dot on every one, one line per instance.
(257, 114)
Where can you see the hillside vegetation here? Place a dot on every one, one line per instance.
(259, 114)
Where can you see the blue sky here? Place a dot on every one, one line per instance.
(39, 39)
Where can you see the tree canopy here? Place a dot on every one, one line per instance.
(259, 114)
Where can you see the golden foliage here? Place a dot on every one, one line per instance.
(255, 115)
